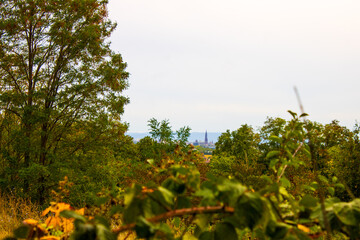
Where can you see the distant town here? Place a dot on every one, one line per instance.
(203, 139)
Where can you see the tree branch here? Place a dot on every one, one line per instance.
(179, 212)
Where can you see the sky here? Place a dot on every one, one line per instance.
(215, 65)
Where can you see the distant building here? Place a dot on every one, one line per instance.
(206, 138)
(204, 143)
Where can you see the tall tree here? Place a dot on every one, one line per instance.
(241, 143)
(58, 77)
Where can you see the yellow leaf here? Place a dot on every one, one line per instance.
(80, 211)
(50, 238)
(68, 225)
(46, 211)
(30, 222)
(303, 228)
(53, 221)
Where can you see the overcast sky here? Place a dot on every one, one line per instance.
(215, 65)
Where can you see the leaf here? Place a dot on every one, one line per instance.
(323, 179)
(272, 154)
(30, 221)
(104, 233)
(50, 238)
(202, 220)
(132, 211)
(273, 162)
(285, 182)
(207, 236)
(250, 209)
(303, 228)
(183, 202)
(348, 213)
(331, 191)
(308, 201)
(167, 195)
(339, 185)
(151, 161)
(72, 214)
(225, 231)
(144, 228)
(276, 230)
(293, 114)
(334, 179)
(22, 232)
(275, 139)
(174, 186)
(131, 194)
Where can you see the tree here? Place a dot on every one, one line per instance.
(242, 144)
(60, 83)
(160, 131)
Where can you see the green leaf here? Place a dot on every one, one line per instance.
(202, 220)
(276, 230)
(334, 179)
(308, 201)
(314, 185)
(72, 214)
(348, 213)
(174, 186)
(22, 232)
(331, 191)
(132, 211)
(183, 202)
(178, 169)
(285, 182)
(165, 230)
(225, 231)
(131, 194)
(167, 195)
(273, 162)
(250, 209)
(207, 236)
(144, 228)
(323, 179)
(339, 185)
(151, 161)
(272, 154)
(267, 178)
(293, 114)
(275, 139)
(104, 233)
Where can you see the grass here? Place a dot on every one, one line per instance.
(13, 211)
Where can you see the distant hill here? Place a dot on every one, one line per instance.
(200, 136)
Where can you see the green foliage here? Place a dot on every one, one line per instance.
(224, 208)
(60, 89)
(162, 141)
(160, 131)
(242, 144)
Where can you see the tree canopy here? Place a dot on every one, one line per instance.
(58, 76)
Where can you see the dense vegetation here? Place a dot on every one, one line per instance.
(62, 143)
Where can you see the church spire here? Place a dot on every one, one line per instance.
(206, 138)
